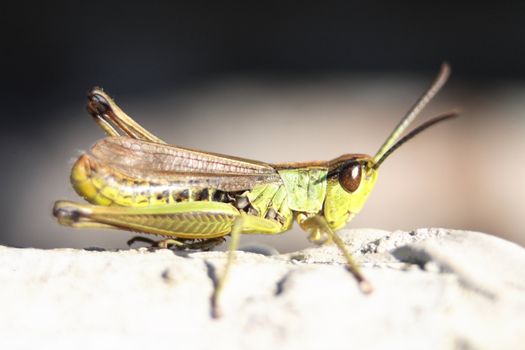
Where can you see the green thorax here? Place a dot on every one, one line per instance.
(301, 190)
(306, 188)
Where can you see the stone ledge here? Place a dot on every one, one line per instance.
(434, 289)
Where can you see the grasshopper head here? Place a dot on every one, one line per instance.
(350, 180)
(351, 177)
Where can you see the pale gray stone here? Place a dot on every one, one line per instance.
(433, 289)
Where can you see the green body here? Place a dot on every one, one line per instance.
(135, 181)
(126, 196)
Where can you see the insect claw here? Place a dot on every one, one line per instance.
(366, 287)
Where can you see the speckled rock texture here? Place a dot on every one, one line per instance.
(434, 289)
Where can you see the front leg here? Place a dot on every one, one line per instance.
(316, 234)
(320, 233)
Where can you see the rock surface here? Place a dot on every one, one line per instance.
(434, 289)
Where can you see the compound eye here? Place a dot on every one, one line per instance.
(350, 177)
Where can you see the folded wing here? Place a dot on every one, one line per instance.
(153, 161)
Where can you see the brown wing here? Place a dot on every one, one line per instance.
(150, 161)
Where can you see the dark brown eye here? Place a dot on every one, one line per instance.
(350, 177)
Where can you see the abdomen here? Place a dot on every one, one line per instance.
(103, 185)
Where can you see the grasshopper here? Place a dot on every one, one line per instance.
(135, 181)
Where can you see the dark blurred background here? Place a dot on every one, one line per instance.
(276, 81)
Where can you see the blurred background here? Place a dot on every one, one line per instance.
(273, 81)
